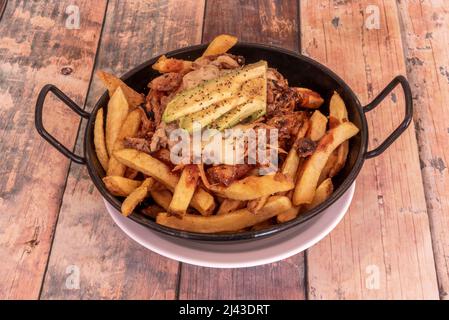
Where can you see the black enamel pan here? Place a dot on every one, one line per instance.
(299, 70)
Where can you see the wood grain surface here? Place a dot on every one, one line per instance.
(112, 266)
(37, 48)
(426, 35)
(382, 249)
(274, 22)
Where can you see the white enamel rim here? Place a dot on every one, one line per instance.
(238, 254)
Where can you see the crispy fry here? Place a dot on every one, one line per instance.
(291, 163)
(184, 190)
(323, 192)
(329, 165)
(111, 82)
(289, 214)
(118, 109)
(338, 114)
(229, 205)
(136, 197)
(130, 173)
(251, 187)
(162, 197)
(233, 221)
(120, 186)
(165, 65)
(220, 44)
(201, 200)
(307, 182)
(255, 205)
(129, 128)
(99, 140)
(318, 123)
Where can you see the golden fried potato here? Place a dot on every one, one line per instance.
(307, 182)
(255, 205)
(162, 197)
(338, 114)
(232, 221)
(252, 187)
(111, 82)
(184, 190)
(118, 109)
(318, 124)
(140, 161)
(136, 197)
(323, 192)
(129, 128)
(221, 44)
(99, 140)
(120, 186)
(229, 205)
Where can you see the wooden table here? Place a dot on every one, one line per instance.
(394, 241)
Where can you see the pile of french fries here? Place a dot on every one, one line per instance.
(186, 200)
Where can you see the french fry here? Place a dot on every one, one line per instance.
(229, 205)
(99, 140)
(232, 221)
(308, 180)
(162, 198)
(220, 44)
(309, 98)
(338, 114)
(329, 166)
(252, 187)
(129, 128)
(165, 65)
(118, 109)
(291, 163)
(255, 205)
(111, 82)
(136, 197)
(120, 186)
(318, 123)
(184, 190)
(323, 192)
(140, 161)
(289, 214)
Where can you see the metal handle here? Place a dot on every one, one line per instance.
(407, 118)
(40, 126)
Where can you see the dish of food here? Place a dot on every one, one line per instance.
(219, 91)
(233, 202)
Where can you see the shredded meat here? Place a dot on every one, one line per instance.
(288, 125)
(140, 144)
(305, 147)
(166, 82)
(226, 174)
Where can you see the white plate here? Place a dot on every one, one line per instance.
(238, 254)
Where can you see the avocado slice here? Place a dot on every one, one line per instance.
(238, 114)
(250, 90)
(256, 92)
(212, 91)
(211, 113)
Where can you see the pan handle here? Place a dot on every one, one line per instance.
(407, 118)
(40, 126)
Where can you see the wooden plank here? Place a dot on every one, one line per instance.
(272, 22)
(36, 48)
(110, 265)
(266, 21)
(426, 35)
(382, 249)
